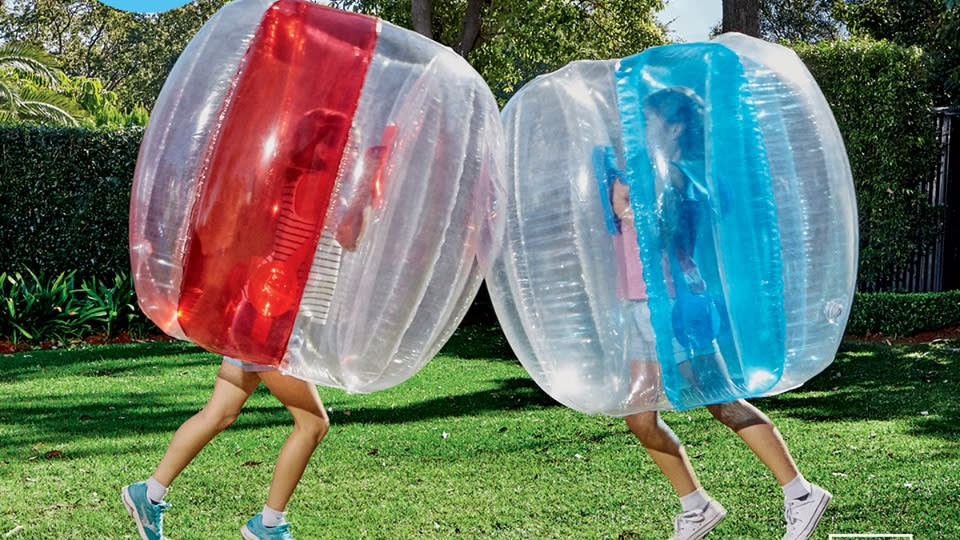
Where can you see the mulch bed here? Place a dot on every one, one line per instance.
(8, 347)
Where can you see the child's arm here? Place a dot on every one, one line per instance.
(686, 214)
(369, 194)
(620, 198)
(351, 224)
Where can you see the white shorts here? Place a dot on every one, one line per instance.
(249, 367)
(641, 341)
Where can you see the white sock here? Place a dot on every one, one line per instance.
(155, 490)
(694, 501)
(797, 488)
(272, 518)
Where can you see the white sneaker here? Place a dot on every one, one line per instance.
(697, 523)
(803, 515)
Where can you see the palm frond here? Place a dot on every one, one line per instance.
(31, 60)
(8, 94)
(46, 113)
(43, 106)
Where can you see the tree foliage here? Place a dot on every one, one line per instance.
(29, 79)
(511, 42)
(932, 25)
(65, 198)
(131, 53)
(805, 21)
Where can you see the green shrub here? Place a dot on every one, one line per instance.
(878, 94)
(117, 301)
(64, 199)
(37, 309)
(903, 315)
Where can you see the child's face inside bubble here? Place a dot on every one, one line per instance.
(674, 131)
(662, 139)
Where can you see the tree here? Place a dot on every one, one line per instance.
(28, 78)
(932, 25)
(131, 53)
(805, 21)
(741, 16)
(511, 42)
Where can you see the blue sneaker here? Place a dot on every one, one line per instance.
(149, 516)
(255, 530)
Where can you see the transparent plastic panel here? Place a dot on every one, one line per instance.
(400, 294)
(555, 285)
(813, 187)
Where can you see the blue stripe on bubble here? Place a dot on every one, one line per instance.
(737, 242)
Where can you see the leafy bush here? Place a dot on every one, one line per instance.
(64, 199)
(34, 308)
(878, 94)
(117, 301)
(894, 314)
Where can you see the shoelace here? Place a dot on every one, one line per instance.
(688, 518)
(792, 509)
(284, 530)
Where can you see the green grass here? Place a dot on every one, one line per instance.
(468, 448)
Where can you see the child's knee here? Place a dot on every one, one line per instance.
(645, 425)
(738, 415)
(219, 418)
(313, 426)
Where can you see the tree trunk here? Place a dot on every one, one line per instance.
(421, 12)
(742, 16)
(470, 31)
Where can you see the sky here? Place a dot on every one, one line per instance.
(692, 19)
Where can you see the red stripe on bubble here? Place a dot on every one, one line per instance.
(268, 177)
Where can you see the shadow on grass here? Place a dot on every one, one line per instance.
(104, 359)
(513, 394)
(54, 419)
(868, 381)
(874, 381)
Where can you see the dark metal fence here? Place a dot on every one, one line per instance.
(938, 269)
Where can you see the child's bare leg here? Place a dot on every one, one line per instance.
(231, 389)
(760, 435)
(665, 449)
(645, 384)
(310, 426)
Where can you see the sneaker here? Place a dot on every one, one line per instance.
(697, 523)
(149, 516)
(804, 514)
(255, 530)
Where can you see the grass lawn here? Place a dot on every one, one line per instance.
(468, 448)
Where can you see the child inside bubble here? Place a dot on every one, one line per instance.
(677, 155)
(237, 379)
(675, 144)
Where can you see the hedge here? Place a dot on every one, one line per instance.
(901, 315)
(64, 199)
(878, 94)
(64, 192)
